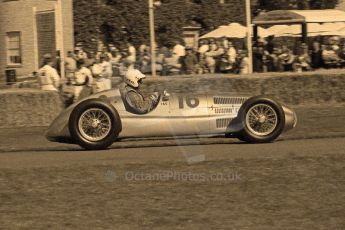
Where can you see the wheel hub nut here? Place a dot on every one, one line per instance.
(262, 119)
(95, 123)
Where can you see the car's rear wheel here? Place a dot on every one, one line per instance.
(263, 120)
(94, 124)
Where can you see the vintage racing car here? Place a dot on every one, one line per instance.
(101, 119)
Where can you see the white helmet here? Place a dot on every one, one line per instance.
(133, 76)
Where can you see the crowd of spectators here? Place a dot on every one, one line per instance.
(318, 53)
(89, 71)
(213, 56)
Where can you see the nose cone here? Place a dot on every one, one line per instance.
(53, 132)
(58, 128)
(290, 118)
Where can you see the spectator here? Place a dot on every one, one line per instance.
(164, 50)
(342, 56)
(265, 62)
(190, 61)
(202, 65)
(203, 47)
(101, 81)
(303, 61)
(258, 53)
(80, 53)
(287, 59)
(48, 77)
(219, 54)
(160, 61)
(90, 60)
(145, 61)
(83, 81)
(179, 50)
(97, 68)
(107, 69)
(270, 44)
(210, 57)
(330, 57)
(57, 65)
(334, 43)
(142, 48)
(275, 64)
(116, 56)
(115, 61)
(172, 64)
(316, 55)
(132, 53)
(244, 62)
(225, 43)
(232, 53)
(70, 67)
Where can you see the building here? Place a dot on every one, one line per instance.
(31, 28)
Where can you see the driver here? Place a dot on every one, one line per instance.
(132, 96)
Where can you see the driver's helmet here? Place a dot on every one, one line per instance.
(133, 76)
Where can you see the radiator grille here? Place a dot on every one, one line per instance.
(223, 123)
(229, 100)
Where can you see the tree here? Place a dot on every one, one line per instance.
(269, 5)
(87, 22)
(118, 21)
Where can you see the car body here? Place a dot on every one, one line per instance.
(175, 115)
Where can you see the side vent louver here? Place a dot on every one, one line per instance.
(223, 123)
(229, 100)
(223, 110)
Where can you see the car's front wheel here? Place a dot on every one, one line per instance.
(94, 124)
(263, 120)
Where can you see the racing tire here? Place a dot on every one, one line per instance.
(94, 124)
(263, 120)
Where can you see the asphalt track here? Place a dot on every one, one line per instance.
(289, 184)
(297, 182)
(183, 153)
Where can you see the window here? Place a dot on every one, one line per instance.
(14, 56)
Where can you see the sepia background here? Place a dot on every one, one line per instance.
(295, 183)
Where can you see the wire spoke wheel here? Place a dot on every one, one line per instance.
(261, 119)
(94, 124)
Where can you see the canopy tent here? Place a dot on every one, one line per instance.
(340, 32)
(314, 29)
(302, 17)
(277, 17)
(276, 29)
(233, 30)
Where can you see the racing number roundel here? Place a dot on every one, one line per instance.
(191, 102)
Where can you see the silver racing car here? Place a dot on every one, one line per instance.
(101, 119)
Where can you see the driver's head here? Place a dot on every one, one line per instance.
(134, 78)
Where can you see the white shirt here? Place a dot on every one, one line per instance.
(107, 69)
(203, 49)
(232, 54)
(179, 50)
(101, 72)
(83, 74)
(132, 53)
(49, 78)
(97, 69)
